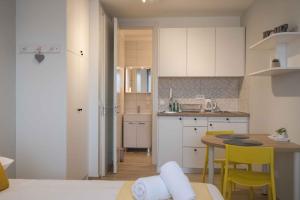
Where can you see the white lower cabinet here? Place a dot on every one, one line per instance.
(193, 157)
(192, 136)
(237, 124)
(179, 138)
(169, 140)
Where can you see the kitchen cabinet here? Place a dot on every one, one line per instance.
(192, 136)
(179, 138)
(193, 157)
(172, 52)
(201, 50)
(230, 51)
(169, 140)
(237, 124)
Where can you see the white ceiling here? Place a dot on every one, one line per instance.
(171, 8)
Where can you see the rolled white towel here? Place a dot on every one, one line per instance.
(176, 181)
(150, 188)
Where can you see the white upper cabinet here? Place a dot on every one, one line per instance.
(172, 52)
(201, 50)
(230, 51)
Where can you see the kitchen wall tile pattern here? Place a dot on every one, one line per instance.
(225, 90)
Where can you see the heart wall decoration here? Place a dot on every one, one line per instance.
(39, 57)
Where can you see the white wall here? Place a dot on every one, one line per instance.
(8, 81)
(273, 102)
(41, 91)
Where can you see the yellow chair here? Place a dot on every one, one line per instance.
(249, 155)
(217, 161)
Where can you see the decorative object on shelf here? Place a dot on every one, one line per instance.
(267, 33)
(278, 29)
(278, 42)
(282, 28)
(275, 63)
(280, 135)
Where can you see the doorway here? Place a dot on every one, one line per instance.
(134, 96)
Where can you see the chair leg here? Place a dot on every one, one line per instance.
(269, 192)
(222, 177)
(230, 190)
(273, 189)
(205, 168)
(251, 193)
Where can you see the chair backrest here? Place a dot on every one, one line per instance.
(226, 132)
(250, 155)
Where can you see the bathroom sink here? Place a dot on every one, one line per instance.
(138, 117)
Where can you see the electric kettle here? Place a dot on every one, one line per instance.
(210, 105)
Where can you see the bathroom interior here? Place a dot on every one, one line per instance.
(135, 93)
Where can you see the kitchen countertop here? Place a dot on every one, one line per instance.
(206, 114)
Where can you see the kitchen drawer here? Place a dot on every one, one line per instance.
(229, 119)
(194, 121)
(193, 157)
(192, 136)
(241, 128)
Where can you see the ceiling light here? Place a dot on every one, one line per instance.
(144, 1)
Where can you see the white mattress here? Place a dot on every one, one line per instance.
(69, 190)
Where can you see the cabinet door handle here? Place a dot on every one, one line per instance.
(195, 119)
(195, 129)
(227, 119)
(195, 150)
(210, 124)
(180, 118)
(79, 109)
(142, 123)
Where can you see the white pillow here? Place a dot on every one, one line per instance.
(6, 162)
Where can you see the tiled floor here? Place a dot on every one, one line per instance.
(138, 164)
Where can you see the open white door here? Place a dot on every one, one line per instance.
(116, 97)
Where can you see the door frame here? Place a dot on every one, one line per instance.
(155, 109)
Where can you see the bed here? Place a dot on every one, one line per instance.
(21, 189)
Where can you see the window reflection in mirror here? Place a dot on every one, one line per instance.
(138, 80)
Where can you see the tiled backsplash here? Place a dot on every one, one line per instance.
(224, 90)
(133, 100)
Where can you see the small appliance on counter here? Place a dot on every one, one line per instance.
(210, 105)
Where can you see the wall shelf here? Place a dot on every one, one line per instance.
(275, 71)
(276, 39)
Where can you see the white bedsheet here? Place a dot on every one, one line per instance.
(69, 190)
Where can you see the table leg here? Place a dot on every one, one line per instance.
(296, 175)
(210, 164)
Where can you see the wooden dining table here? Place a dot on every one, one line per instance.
(214, 142)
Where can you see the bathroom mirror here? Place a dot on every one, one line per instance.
(138, 80)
